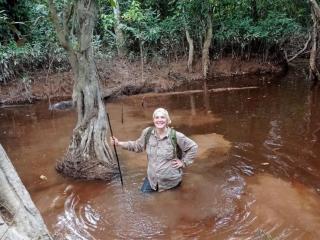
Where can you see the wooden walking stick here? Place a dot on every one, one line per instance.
(115, 149)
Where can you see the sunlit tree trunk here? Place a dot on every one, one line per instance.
(191, 51)
(141, 59)
(205, 53)
(120, 40)
(88, 155)
(206, 47)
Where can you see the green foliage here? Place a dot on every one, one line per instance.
(14, 58)
(142, 24)
(4, 25)
(28, 40)
(250, 25)
(105, 26)
(275, 28)
(172, 35)
(34, 46)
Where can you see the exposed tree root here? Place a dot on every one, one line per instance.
(77, 165)
(88, 156)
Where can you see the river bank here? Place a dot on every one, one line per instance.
(121, 77)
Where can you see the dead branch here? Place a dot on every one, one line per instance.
(302, 50)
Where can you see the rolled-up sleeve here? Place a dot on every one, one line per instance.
(137, 145)
(189, 148)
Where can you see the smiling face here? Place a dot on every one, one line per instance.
(160, 121)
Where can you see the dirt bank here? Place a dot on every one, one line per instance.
(121, 77)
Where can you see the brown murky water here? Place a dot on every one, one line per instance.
(257, 174)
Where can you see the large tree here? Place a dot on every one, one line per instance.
(88, 155)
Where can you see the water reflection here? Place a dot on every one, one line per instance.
(257, 174)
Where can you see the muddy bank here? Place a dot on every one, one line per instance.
(121, 77)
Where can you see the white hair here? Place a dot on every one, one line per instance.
(163, 112)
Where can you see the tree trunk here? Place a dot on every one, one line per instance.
(141, 60)
(118, 31)
(191, 51)
(205, 55)
(19, 217)
(314, 74)
(88, 155)
(206, 47)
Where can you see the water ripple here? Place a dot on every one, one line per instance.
(77, 220)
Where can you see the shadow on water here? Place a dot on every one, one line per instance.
(257, 174)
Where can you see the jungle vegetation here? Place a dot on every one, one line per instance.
(157, 31)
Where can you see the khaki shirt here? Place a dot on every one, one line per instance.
(160, 152)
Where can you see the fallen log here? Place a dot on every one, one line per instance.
(19, 217)
(213, 90)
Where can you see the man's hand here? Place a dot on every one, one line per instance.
(177, 163)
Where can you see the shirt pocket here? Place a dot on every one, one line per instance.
(151, 146)
(168, 151)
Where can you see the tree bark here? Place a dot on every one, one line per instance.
(316, 8)
(313, 70)
(141, 60)
(205, 55)
(88, 155)
(19, 217)
(191, 51)
(118, 31)
(313, 54)
(206, 47)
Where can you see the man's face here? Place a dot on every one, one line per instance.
(160, 121)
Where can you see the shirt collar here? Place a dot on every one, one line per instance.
(167, 131)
